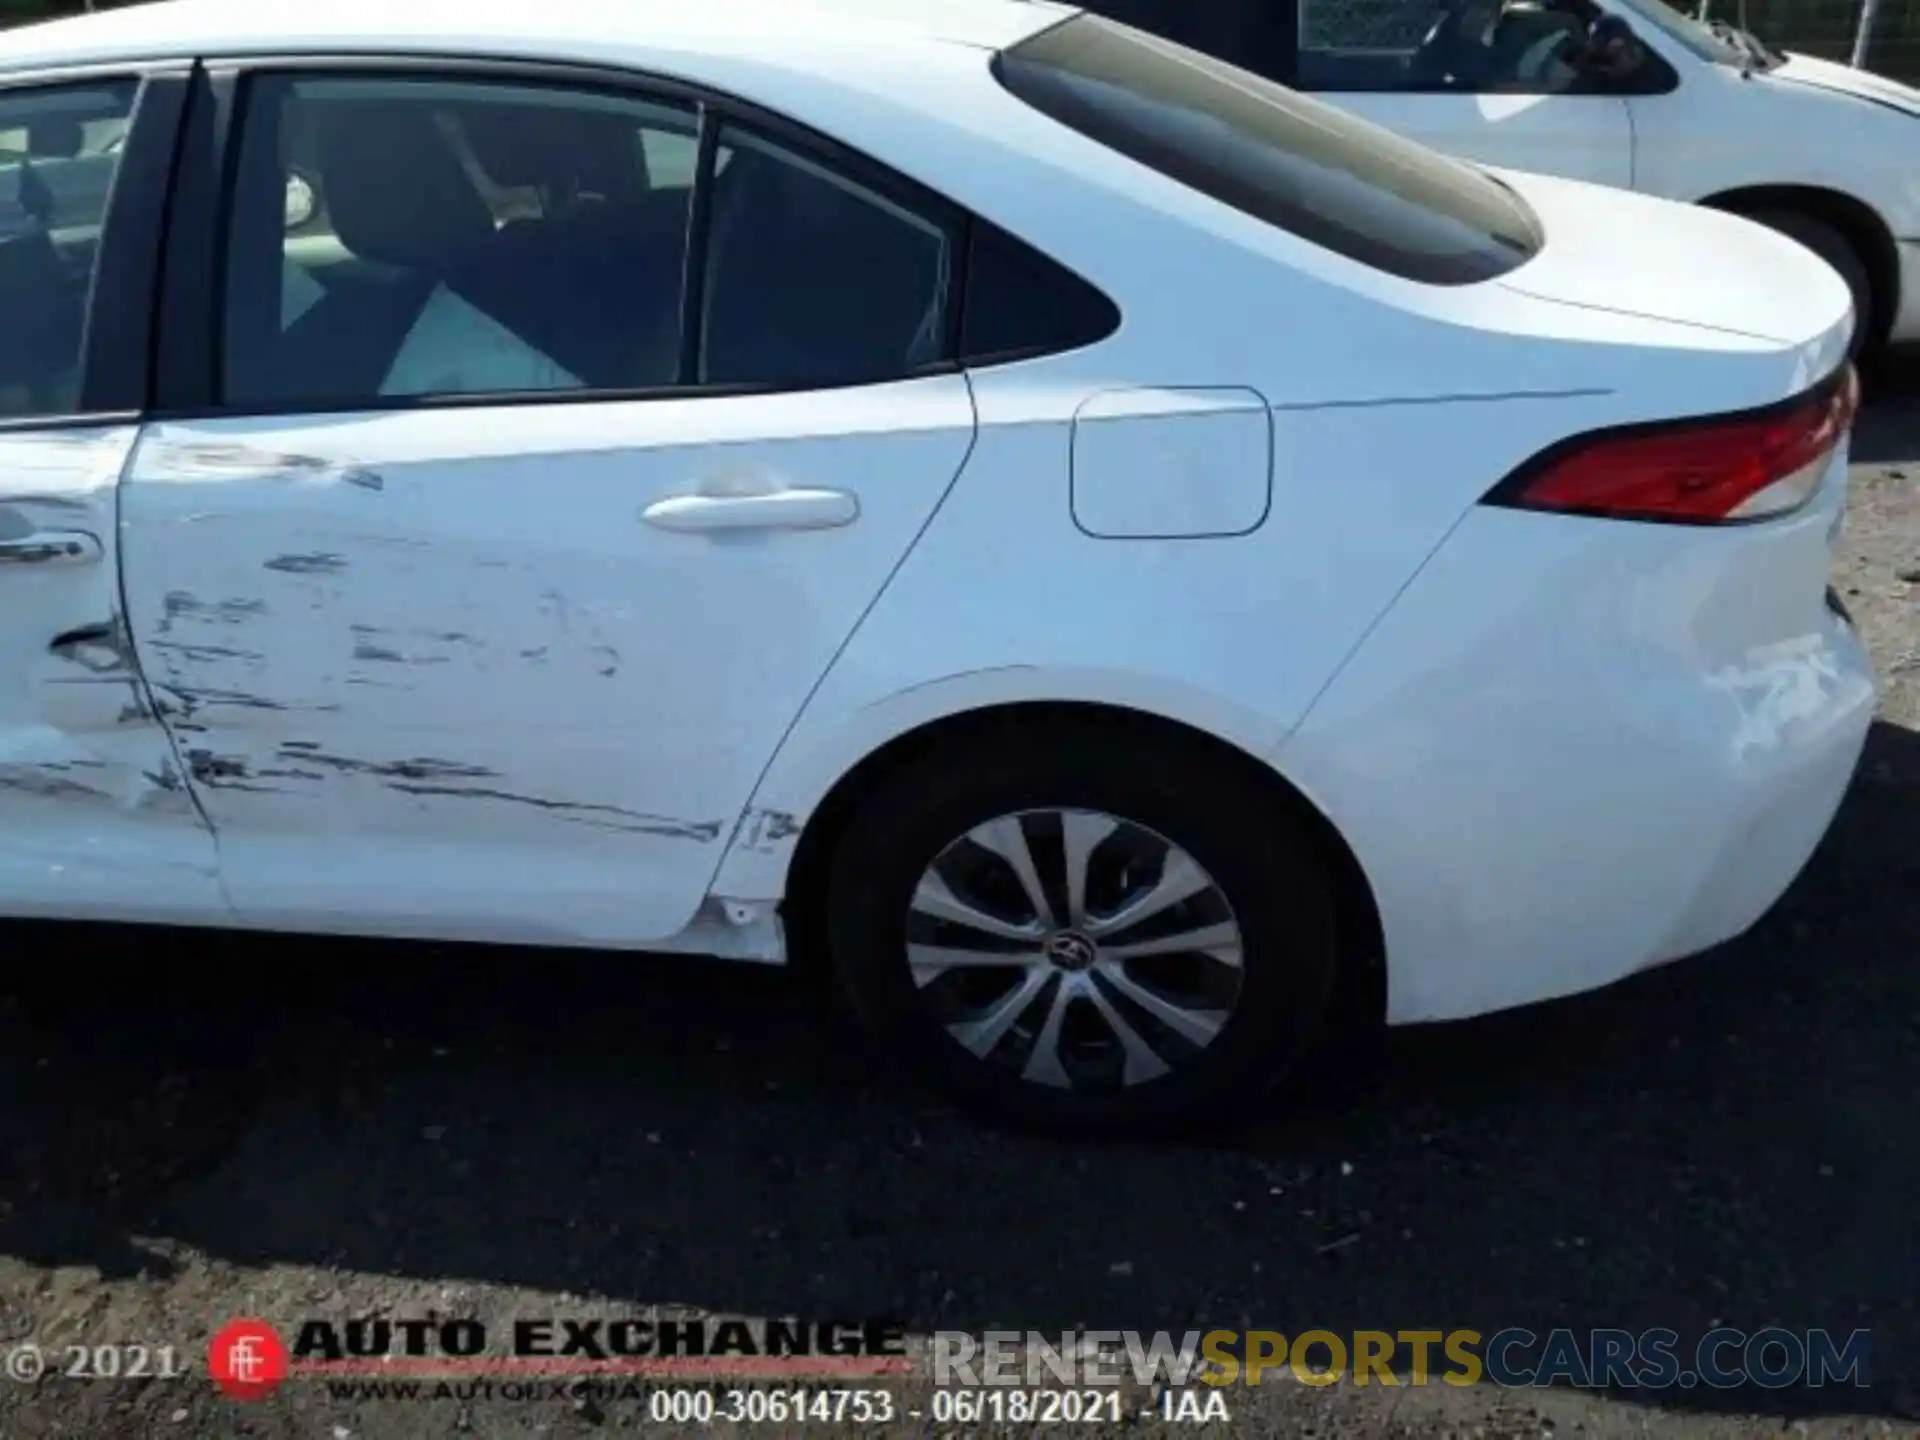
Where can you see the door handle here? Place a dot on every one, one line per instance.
(51, 547)
(798, 509)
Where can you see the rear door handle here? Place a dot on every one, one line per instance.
(798, 509)
(51, 547)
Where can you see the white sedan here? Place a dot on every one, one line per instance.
(1130, 563)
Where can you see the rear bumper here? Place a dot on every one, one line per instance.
(1777, 811)
(1577, 748)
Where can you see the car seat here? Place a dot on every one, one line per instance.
(397, 195)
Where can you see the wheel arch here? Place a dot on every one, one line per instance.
(1854, 218)
(1357, 915)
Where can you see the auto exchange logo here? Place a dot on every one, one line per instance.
(248, 1358)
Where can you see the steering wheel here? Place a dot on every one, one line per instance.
(1451, 50)
(1431, 60)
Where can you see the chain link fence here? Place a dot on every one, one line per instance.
(1830, 29)
(1827, 28)
(1363, 24)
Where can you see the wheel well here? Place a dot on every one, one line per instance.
(1357, 916)
(1854, 219)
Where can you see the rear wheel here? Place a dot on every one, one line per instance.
(1834, 247)
(1083, 928)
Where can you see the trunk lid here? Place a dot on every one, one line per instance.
(1633, 254)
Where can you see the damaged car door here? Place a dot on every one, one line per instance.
(481, 591)
(95, 817)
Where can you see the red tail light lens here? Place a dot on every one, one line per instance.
(1714, 470)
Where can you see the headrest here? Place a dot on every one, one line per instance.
(395, 189)
(544, 144)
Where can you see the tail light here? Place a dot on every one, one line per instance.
(1719, 469)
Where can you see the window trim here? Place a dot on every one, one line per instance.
(185, 371)
(193, 323)
(115, 365)
(115, 370)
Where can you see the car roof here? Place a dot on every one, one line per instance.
(586, 30)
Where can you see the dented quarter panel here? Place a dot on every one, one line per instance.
(94, 816)
(431, 671)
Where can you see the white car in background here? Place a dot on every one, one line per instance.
(1628, 93)
(1121, 557)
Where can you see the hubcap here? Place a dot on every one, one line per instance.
(1074, 948)
(1070, 950)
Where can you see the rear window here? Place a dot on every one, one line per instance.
(1276, 155)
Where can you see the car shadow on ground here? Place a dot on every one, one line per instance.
(1728, 1140)
(1888, 429)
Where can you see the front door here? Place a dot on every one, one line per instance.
(94, 816)
(483, 610)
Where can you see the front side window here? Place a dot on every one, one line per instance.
(59, 153)
(1283, 158)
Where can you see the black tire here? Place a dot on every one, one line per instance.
(1265, 865)
(1832, 246)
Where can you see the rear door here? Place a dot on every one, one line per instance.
(508, 542)
(94, 816)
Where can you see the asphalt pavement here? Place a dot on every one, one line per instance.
(195, 1126)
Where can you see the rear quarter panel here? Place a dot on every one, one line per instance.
(1006, 599)
(1394, 408)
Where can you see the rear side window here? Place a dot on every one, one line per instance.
(1290, 161)
(813, 278)
(395, 237)
(398, 236)
(1020, 303)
